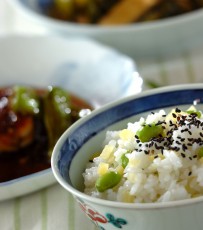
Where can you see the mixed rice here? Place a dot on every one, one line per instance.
(157, 159)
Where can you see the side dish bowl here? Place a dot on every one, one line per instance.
(83, 67)
(85, 137)
(143, 39)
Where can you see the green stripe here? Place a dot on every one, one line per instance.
(71, 212)
(189, 68)
(44, 209)
(17, 214)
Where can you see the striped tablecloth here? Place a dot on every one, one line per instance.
(54, 208)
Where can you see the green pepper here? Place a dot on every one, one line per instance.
(25, 100)
(57, 114)
(107, 181)
(149, 131)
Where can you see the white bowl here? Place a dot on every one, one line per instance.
(81, 66)
(149, 39)
(75, 148)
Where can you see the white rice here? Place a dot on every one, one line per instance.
(165, 168)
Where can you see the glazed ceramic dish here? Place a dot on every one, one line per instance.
(75, 147)
(81, 66)
(148, 39)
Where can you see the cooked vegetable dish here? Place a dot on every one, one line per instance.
(31, 121)
(115, 12)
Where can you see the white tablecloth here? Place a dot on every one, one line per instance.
(53, 208)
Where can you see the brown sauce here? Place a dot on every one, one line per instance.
(33, 157)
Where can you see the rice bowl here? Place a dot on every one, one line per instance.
(85, 138)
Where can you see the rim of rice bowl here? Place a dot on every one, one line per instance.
(103, 202)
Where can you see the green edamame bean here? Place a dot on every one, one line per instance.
(200, 152)
(194, 112)
(149, 131)
(124, 161)
(107, 181)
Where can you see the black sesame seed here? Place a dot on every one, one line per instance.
(177, 110)
(183, 155)
(177, 142)
(191, 139)
(146, 152)
(184, 147)
(174, 115)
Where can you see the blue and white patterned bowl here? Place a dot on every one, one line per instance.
(76, 145)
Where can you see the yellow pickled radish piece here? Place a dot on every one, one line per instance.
(120, 169)
(107, 152)
(126, 134)
(102, 168)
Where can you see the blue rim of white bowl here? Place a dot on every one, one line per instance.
(183, 18)
(159, 94)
